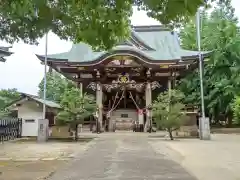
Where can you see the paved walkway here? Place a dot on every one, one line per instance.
(218, 159)
(121, 157)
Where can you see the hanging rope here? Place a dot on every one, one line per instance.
(114, 101)
(133, 100)
(115, 106)
(118, 101)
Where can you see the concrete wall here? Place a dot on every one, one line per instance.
(30, 113)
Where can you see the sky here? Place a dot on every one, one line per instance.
(23, 70)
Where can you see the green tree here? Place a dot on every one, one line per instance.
(6, 97)
(100, 23)
(168, 111)
(75, 108)
(56, 86)
(220, 34)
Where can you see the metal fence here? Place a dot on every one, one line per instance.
(10, 129)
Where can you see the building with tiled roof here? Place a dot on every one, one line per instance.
(128, 77)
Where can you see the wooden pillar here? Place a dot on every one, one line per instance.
(174, 77)
(140, 122)
(81, 88)
(80, 85)
(169, 86)
(99, 97)
(99, 105)
(148, 97)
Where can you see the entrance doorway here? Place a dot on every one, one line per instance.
(123, 108)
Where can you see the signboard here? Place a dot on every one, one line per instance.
(42, 130)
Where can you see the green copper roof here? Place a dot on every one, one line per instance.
(156, 43)
(48, 103)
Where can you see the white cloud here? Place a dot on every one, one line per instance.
(23, 70)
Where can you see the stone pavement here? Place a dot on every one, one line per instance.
(121, 157)
(32, 151)
(218, 159)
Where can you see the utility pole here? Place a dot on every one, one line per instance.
(45, 76)
(204, 124)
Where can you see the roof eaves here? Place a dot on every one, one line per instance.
(14, 102)
(205, 54)
(47, 102)
(34, 98)
(54, 57)
(64, 74)
(5, 51)
(145, 57)
(42, 58)
(2, 59)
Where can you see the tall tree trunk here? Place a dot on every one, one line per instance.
(170, 133)
(76, 132)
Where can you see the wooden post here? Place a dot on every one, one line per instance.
(81, 89)
(99, 96)
(148, 97)
(169, 86)
(174, 76)
(80, 85)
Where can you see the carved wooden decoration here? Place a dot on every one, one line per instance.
(81, 68)
(162, 74)
(110, 69)
(155, 85)
(124, 82)
(122, 61)
(86, 76)
(137, 69)
(92, 86)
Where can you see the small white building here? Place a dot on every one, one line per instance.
(30, 109)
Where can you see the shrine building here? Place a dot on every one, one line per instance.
(129, 77)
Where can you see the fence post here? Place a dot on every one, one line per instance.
(19, 128)
(1, 131)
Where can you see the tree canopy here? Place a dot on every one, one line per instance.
(75, 108)
(7, 96)
(100, 23)
(168, 111)
(56, 86)
(220, 34)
